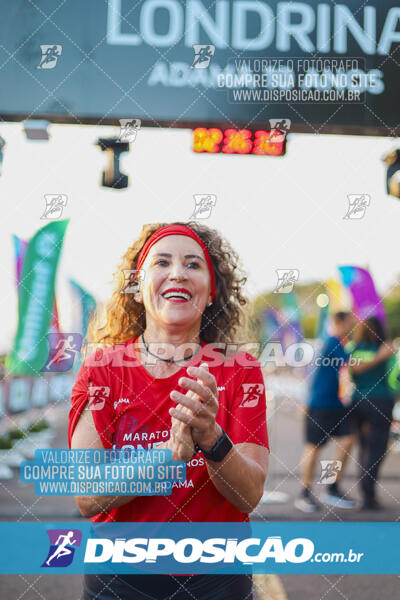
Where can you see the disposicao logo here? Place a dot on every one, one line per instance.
(192, 550)
(62, 547)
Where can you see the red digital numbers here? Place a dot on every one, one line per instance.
(269, 143)
(239, 141)
(207, 140)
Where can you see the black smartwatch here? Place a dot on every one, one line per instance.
(219, 450)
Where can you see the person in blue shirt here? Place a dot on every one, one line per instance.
(372, 403)
(327, 417)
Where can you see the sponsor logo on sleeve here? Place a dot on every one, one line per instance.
(251, 394)
(97, 397)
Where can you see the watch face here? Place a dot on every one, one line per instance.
(220, 450)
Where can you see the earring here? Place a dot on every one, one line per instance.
(209, 304)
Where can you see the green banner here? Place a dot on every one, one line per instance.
(35, 300)
(87, 305)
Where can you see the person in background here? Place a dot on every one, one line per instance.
(327, 417)
(372, 403)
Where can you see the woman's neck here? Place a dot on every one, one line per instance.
(175, 336)
(176, 347)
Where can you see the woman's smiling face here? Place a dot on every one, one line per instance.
(176, 287)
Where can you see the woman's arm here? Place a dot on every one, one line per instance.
(384, 352)
(85, 436)
(240, 477)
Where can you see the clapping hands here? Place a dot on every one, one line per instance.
(193, 420)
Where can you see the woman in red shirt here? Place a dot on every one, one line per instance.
(170, 385)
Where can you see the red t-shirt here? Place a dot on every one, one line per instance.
(135, 414)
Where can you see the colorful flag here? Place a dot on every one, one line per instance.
(54, 323)
(271, 326)
(339, 296)
(366, 301)
(20, 249)
(86, 304)
(293, 331)
(36, 299)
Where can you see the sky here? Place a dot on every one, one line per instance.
(277, 213)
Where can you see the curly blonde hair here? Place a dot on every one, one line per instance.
(126, 319)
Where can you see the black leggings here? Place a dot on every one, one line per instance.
(371, 419)
(167, 587)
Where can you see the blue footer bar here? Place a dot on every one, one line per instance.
(194, 548)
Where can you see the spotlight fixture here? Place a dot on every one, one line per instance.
(112, 176)
(36, 129)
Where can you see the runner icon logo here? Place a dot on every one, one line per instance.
(129, 129)
(286, 280)
(203, 205)
(97, 397)
(132, 279)
(202, 55)
(55, 204)
(63, 348)
(62, 547)
(50, 56)
(282, 126)
(251, 394)
(330, 470)
(357, 206)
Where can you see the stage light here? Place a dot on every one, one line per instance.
(392, 160)
(36, 129)
(112, 176)
(322, 300)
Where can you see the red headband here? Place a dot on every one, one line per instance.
(177, 230)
